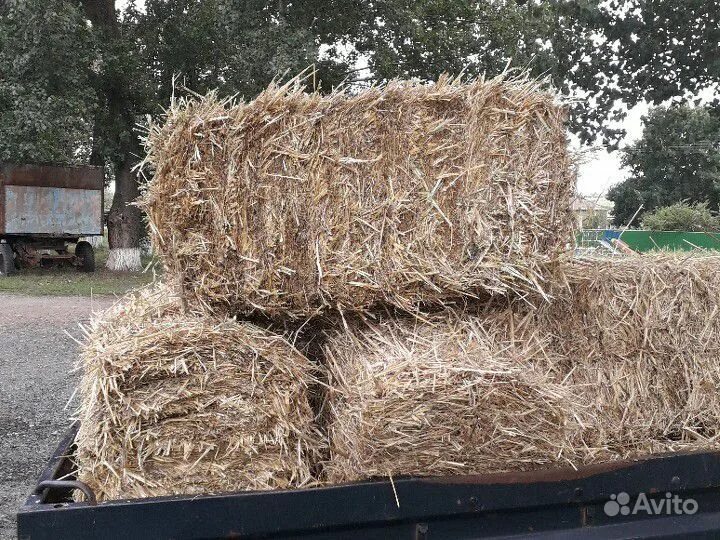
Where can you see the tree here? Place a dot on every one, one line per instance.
(613, 54)
(681, 217)
(659, 50)
(627, 203)
(44, 109)
(236, 46)
(121, 87)
(677, 159)
(424, 38)
(74, 92)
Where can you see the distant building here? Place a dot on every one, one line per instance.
(592, 211)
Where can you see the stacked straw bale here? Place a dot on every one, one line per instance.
(453, 394)
(295, 202)
(639, 340)
(180, 404)
(408, 198)
(624, 362)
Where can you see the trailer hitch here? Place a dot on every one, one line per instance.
(68, 484)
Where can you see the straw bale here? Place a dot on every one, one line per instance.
(410, 193)
(454, 394)
(623, 362)
(175, 403)
(639, 339)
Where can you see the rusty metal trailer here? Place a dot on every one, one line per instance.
(44, 209)
(680, 495)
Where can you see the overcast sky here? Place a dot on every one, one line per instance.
(601, 169)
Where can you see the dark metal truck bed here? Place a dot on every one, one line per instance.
(678, 497)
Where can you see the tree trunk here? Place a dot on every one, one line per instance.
(125, 221)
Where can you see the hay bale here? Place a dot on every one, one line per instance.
(175, 403)
(410, 193)
(624, 362)
(639, 339)
(456, 394)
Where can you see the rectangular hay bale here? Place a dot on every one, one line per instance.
(175, 403)
(623, 362)
(639, 339)
(296, 203)
(453, 394)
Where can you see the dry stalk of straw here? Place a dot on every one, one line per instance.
(296, 202)
(639, 340)
(454, 394)
(176, 403)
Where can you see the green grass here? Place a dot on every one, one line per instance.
(68, 281)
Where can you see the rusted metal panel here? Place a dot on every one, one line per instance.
(73, 177)
(52, 210)
(51, 200)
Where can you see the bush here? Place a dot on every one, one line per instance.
(681, 216)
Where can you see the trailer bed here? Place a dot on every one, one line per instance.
(558, 503)
(51, 201)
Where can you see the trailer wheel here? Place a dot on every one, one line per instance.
(85, 256)
(7, 260)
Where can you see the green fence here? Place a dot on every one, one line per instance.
(670, 240)
(642, 241)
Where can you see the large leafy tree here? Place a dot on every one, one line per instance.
(76, 76)
(123, 94)
(676, 159)
(238, 46)
(235, 46)
(662, 49)
(611, 54)
(46, 97)
(424, 38)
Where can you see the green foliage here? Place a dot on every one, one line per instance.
(663, 50)
(647, 50)
(122, 85)
(681, 217)
(264, 41)
(627, 201)
(235, 46)
(70, 282)
(424, 38)
(677, 159)
(62, 77)
(46, 99)
(612, 53)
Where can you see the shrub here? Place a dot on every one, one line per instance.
(681, 216)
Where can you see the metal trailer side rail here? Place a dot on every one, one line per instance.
(560, 503)
(51, 201)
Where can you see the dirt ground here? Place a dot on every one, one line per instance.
(37, 357)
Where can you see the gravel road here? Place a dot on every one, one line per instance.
(36, 359)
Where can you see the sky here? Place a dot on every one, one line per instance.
(601, 169)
